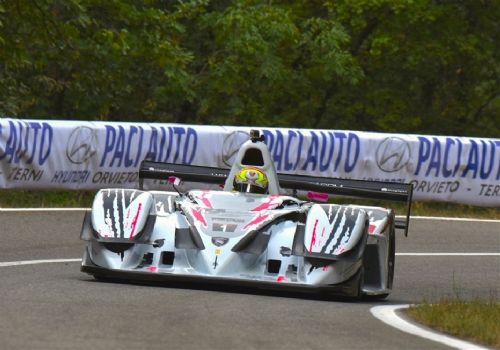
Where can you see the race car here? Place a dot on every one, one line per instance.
(254, 230)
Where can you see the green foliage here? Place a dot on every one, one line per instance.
(416, 66)
(90, 59)
(17, 198)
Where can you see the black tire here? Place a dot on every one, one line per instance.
(360, 295)
(392, 258)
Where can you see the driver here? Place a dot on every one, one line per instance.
(251, 180)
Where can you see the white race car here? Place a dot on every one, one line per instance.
(249, 233)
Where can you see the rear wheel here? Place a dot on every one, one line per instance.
(392, 258)
(360, 294)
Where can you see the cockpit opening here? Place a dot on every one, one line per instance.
(253, 156)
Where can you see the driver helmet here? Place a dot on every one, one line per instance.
(251, 180)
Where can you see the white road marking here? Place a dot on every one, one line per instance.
(442, 218)
(42, 209)
(387, 314)
(34, 262)
(448, 254)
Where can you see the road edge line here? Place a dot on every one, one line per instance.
(35, 262)
(446, 254)
(41, 209)
(387, 314)
(444, 218)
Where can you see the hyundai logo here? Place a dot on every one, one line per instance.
(82, 145)
(392, 154)
(231, 145)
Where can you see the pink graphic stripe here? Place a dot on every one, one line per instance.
(257, 220)
(205, 200)
(269, 203)
(313, 239)
(199, 217)
(134, 222)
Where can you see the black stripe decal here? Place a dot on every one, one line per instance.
(345, 231)
(123, 199)
(120, 199)
(109, 211)
(337, 219)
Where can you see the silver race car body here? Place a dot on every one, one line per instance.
(270, 240)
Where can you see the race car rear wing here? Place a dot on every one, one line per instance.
(401, 192)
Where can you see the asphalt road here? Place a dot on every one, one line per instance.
(55, 306)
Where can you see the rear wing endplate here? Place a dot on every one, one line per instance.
(400, 192)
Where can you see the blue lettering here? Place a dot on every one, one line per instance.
(152, 149)
(128, 162)
(20, 145)
(278, 150)
(20, 151)
(446, 171)
(459, 156)
(312, 153)
(45, 143)
(109, 143)
(268, 138)
(10, 145)
(179, 132)
(498, 172)
(324, 165)
(119, 148)
(25, 146)
(472, 161)
(435, 158)
(341, 136)
(423, 153)
(36, 127)
(485, 174)
(170, 142)
(162, 145)
(191, 134)
(299, 149)
(352, 138)
(291, 135)
(139, 152)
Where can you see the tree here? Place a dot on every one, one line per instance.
(422, 66)
(91, 59)
(430, 66)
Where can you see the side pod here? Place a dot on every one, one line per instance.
(120, 216)
(332, 232)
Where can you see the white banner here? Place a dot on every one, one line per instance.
(46, 154)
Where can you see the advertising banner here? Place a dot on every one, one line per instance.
(49, 154)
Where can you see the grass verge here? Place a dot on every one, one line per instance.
(475, 320)
(16, 198)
